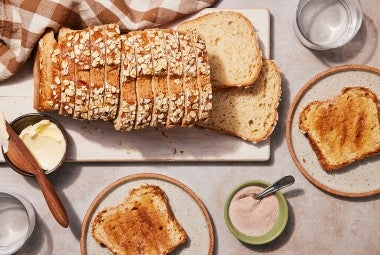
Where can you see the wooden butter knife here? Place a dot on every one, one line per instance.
(21, 157)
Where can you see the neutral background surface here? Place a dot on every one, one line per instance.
(319, 223)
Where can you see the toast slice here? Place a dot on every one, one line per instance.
(159, 78)
(142, 224)
(190, 80)
(344, 129)
(250, 113)
(67, 102)
(82, 52)
(232, 45)
(97, 72)
(47, 74)
(143, 81)
(174, 79)
(128, 101)
(112, 72)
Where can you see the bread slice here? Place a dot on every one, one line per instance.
(82, 52)
(142, 224)
(128, 102)
(47, 74)
(159, 78)
(174, 79)
(143, 81)
(112, 72)
(249, 113)
(97, 72)
(232, 46)
(67, 102)
(190, 80)
(344, 129)
(203, 74)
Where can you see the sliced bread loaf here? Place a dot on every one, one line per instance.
(67, 102)
(189, 80)
(98, 61)
(112, 72)
(142, 224)
(232, 46)
(203, 73)
(82, 53)
(47, 74)
(174, 79)
(344, 129)
(249, 113)
(144, 91)
(159, 78)
(128, 102)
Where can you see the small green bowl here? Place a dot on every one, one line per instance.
(276, 230)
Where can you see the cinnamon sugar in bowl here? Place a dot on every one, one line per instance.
(255, 221)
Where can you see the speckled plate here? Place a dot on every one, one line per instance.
(185, 204)
(357, 180)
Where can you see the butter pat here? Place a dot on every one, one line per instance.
(46, 143)
(4, 136)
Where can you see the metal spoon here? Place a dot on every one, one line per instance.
(282, 183)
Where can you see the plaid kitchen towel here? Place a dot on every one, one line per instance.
(22, 22)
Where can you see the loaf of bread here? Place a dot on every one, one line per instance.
(344, 129)
(142, 224)
(140, 79)
(251, 112)
(232, 46)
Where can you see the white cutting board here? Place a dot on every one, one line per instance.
(97, 141)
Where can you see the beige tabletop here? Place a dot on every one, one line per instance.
(319, 223)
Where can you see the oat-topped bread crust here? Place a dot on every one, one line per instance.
(128, 102)
(67, 103)
(232, 46)
(47, 73)
(112, 72)
(97, 75)
(159, 78)
(143, 81)
(344, 129)
(249, 113)
(174, 79)
(190, 80)
(82, 54)
(142, 224)
(203, 73)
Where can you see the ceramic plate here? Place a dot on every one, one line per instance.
(186, 207)
(357, 180)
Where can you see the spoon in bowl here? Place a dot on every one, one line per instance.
(282, 183)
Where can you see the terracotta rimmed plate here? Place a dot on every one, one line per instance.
(188, 209)
(357, 180)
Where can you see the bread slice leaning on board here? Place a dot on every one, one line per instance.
(343, 129)
(232, 46)
(158, 77)
(248, 112)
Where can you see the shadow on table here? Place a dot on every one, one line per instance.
(60, 179)
(361, 47)
(41, 237)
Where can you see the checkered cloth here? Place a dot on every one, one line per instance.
(22, 22)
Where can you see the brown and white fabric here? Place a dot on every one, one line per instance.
(22, 22)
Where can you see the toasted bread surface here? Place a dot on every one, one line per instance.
(232, 45)
(343, 129)
(250, 113)
(142, 224)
